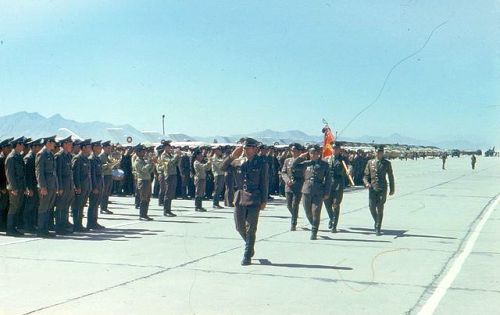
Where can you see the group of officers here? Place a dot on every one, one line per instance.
(43, 182)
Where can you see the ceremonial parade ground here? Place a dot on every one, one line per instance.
(439, 253)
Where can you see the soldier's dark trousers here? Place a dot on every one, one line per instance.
(106, 192)
(376, 204)
(161, 192)
(63, 203)
(170, 183)
(30, 213)
(137, 195)
(46, 205)
(246, 220)
(184, 184)
(144, 189)
(332, 205)
(293, 202)
(4, 207)
(312, 205)
(93, 209)
(229, 193)
(218, 188)
(79, 205)
(16, 204)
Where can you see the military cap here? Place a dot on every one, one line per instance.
(160, 148)
(85, 142)
(34, 143)
(139, 148)
(314, 147)
(106, 144)
(21, 140)
(96, 143)
(250, 142)
(77, 142)
(65, 140)
(379, 148)
(6, 142)
(296, 146)
(49, 139)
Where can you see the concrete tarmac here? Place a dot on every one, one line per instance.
(441, 227)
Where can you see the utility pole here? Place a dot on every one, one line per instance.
(163, 123)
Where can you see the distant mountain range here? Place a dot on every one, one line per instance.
(35, 125)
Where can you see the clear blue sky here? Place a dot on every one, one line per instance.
(224, 67)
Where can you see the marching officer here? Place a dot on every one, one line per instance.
(293, 176)
(376, 173)
(251, 196)
(66, 187)
(32, 197)
(218, 172)
(169, 164)
(317, 183)
(143, 167)
(83, 185)
(339, 177)
(98, 186)
(107, 172)
(16, 185)
(47, 185)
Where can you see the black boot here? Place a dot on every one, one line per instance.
(378, 225)
(314, 234)
(249, 250)
(167, 208)
(199, 204)
(144, 212)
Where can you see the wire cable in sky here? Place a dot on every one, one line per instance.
(397, 64)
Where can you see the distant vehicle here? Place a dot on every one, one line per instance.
(490, 153)
(455, 153)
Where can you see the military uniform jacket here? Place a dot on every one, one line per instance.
(81, 172)
(142, 169)
(376, 174)
(253, 183)
(317, 177)
(107, 168)
(96, 172)
(14, 170)
(169, 164)
(46, 170)
(3, 177)
(201, 169)
(185, 165)
(63, 170)
(30, 173)
(217, 166)
(337, 172)
(294, 173)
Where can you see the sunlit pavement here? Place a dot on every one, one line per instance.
(191, 264)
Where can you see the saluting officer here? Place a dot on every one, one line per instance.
(47, 185)
(169, 162)
(66, 189)
(83, 184)
(251, 196)
(16, 185)
(376, 173)
(200, 170)
(98, 186)
(339, 177)
(293, 176)
(317, 182)
(107, 172)
(32, 199)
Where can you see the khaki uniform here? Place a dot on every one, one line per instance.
(143, 169)
(218, 179)
(107, 172)
(169, 164)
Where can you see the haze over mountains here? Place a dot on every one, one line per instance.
(35, 125)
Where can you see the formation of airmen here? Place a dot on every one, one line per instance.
(44, 183)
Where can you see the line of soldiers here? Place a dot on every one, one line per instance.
(42, 179)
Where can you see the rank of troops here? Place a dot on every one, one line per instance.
(44, 183)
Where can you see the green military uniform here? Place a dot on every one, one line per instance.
(98, 186)
(16, 185)
(336, 195)
(218, 179)
(66, 188)
(169, 164)
(46, 178)
(4, 194)
(200, 182)
(32, 201)
(317, 183)
(143, 169)
(376, 173)
(107, 172)
(81, 178)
